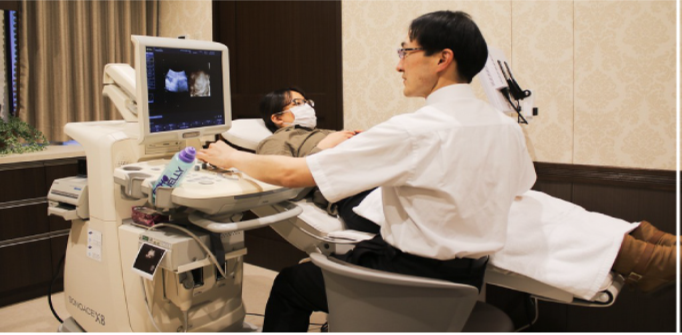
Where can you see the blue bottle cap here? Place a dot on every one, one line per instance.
(187, 154)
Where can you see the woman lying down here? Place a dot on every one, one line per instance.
(550, 240)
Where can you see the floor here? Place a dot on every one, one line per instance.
(35, 315)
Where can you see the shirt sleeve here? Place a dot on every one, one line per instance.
(379, 156)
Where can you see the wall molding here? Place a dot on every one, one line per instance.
(661, 180)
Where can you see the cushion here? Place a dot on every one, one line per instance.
(247, 133)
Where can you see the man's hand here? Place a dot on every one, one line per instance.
(218, 154)
(336, 138)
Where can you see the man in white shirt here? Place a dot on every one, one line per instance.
(448, 172)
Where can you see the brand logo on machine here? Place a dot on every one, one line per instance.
(190, 134)
(99, 318)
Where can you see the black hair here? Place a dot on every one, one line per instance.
(274, 102)
(455, 31)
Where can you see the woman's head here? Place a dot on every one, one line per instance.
(273, 107)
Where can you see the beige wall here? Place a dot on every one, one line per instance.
(603, 72)
(190, 17)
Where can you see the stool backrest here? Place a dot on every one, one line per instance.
(366, 300)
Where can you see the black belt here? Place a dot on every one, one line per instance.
(456, 263)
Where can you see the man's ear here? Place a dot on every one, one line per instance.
(446, 57)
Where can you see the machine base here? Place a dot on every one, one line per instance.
(71, 326)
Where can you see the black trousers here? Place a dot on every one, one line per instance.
(298, 291)
(352, 220)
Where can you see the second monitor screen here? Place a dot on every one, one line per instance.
(185, 88)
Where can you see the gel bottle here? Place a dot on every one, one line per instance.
(176, 170)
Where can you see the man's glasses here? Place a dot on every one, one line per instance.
(402, 52)
(298, 102)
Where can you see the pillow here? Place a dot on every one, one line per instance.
(247, 133)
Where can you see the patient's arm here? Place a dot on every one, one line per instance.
(275, 146)
(277, 170)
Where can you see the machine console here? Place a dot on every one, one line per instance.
(212, 191)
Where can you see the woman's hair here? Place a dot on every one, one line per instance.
(274, 102)
(455, 31)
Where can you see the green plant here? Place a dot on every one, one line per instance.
(17, 136)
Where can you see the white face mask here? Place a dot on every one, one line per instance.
(304, 116)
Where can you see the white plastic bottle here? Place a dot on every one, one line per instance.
(176, 170)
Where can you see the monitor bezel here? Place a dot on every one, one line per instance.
(146, 137)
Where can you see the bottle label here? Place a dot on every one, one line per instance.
(170, 181)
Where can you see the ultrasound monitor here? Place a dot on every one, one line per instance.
(183, 88)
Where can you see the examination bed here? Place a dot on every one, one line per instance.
(316, 231)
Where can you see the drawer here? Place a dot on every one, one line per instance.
(21, 182)
(58, 223)
(58, 246)
(26, 271)
(23, 220)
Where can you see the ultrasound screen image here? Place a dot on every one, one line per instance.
(199, 84)
(184, 88)
(176, 81)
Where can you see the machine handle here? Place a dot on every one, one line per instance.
(291, 211)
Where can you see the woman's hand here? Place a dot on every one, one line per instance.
(218, 154)
(336, 138)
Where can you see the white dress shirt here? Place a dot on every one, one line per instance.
(449, 173)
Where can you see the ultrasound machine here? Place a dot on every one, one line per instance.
(176, 263)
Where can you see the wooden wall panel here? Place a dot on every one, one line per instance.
(278, 44)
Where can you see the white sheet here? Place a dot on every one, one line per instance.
(550, 240)
(318, 218)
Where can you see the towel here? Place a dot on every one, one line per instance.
(550, 240)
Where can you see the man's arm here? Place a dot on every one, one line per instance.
(276, 170)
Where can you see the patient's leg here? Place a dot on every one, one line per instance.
(646, 266)
(649, 233)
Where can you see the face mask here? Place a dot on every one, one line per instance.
(304, 116)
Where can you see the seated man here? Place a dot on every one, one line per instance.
(448, 173)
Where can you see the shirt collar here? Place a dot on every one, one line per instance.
(283, 129)
(450, 92)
